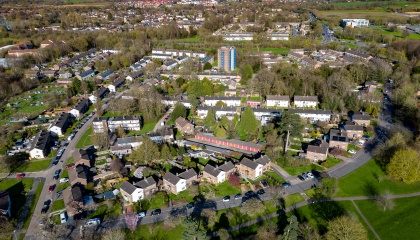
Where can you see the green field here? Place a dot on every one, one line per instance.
(276, 50)
(148, 127)
(31, 166)
(224, 189)
(85, 140)
(57, 205)
(399, 223)
(370, 180)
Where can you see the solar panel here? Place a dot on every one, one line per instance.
(342, 139)
(335, 138)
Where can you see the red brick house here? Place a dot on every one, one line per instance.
(184, 126)
(338, 139)
(317, 152)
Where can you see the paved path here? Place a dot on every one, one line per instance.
(366, 221)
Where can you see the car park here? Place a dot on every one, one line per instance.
(260, 192)
(156, 212)
(93, 222)
(64, 180)
(351, 151)
(226, 199)
(20, 175)
(238, 196)
(141, 214)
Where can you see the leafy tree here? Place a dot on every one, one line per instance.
(246, 74)
(209, 217)
(290, 231)
(165, 152)
(146, 153)
(76, 84)
(114, 235)
(223, 234)
(131, 221)
(291, 122)
(346, 228)
(116, 165)
(405, 166)
(220, 104)
(234, 180)
(252, 207)
(193, 100)
(248, 123)
(179, 111)
(220, 132)
(173, 221)
(192, 230)
(207, 66)
(210, 119)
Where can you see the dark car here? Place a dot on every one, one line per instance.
(55, 162)
(56, 174)
(238, 196)
(51, 188)
(264, 183)
(301, 178)
(156, 212)
(260, 192)
(286, 185)
(189, 205)
(249, 194)
(46, 206)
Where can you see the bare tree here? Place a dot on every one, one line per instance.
(172, 221)
(385, 202)
(131, 221)
(252, 207)
(277, 196)
(116, 165)
(114, 235)
(209, 217)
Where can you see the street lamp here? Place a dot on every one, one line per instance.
(14, 234)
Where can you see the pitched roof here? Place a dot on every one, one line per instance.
(250, 164)
(119, 81)
(172, 178)
(81, 103)
(306, 98)
(211, 170)
(145, 183)
(128, 187)
(107, 73)
(310, 111)
(62, 119)
(361, 117)
(223, 98)
(352, 127)
(227, 166)
(277, 98)
(182, 122)
(42, 141)
(338, 136)
(87, 73)
(264, 160)
(189, 173)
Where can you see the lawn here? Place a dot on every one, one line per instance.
(276, 50)
(370, 180)
(31, 166)
(330, 162)
(155, 231)
(182, 197)
(33, 205)
(148, 127)
(354, 147)
(62, 186)
(292, 199)
(17, 189)
(215, 63)
(224, 189)
(65, 173)
(275, 176)
(57, 205)
(159, 200)
(103, 211)
(85, 140)
(399, 223)
(300, 169)
(70, 160)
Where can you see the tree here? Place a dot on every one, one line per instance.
(291, 122)
(248, 123)
(193, 100)
(131, 221)
(346, 228)
(246, 74)
(223, 234)
(210, 119)
(252, 207)
(98, 106)
(173, 221)
(146, 153)
(290, 231)
(234, 180)
(165, 152)
(114, 235)
(116, 165)
(307, 232)
(277, 196)
(384, 201)
(220, 104)
(179, 111)
(192, 230)
(207, 66)
(209, 217)
(100, 139)
(405, 166)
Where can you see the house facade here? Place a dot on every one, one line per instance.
(317, 152)
(305, 101)
(313, 115)
(42, 146)
(354, 131)
(213, 174)
(81, 107)
(184, 126)
(131, 193)
(277, 101)
(5, 204)
(338, 139)
(58, 128)
(228, 168)
(173, 183)
(190, 176)
(229, 101)
(361, 119)
(233, 143)
(250, 169)
(148, 185)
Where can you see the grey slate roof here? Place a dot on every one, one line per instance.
(211, 170)
(128, 187)
(81, 104)
(277, 98)
(361, 117)
(42, 141)
(172, 178)
(107, 73)
(62, 119)
(248, 163)
(227, 166)
(87, 73)
(306, 98)
(354, 127)
(317, 149)
(118, 82)
(189, 173)
(145, 183)
(264, 160)
(310, 111)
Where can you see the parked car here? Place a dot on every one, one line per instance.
(56, 174)
(70, 137)
(286, 185)
(310, 175)
(304, 175)
(156, 212)
(70, 165)
(249, 194)
(93, 222)
(55, 162)
(141, 214)
(46, 206)
(63, 217)
(301, 178)
(51, 188)
(351, 151)
(226, 199)
(20, 175)
(260, 192)
(64, 180)
(238, 196)
(264, 183)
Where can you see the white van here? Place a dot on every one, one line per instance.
(361, 141)
(63, 217)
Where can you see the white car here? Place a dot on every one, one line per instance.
(63, 217)
(351, 151)
(64, 180)
(93, 222)
(141, 214)
(310, 175)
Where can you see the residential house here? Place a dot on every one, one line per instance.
(85, 75)
(353, 131)
(250, 169)
(294, 55)
(120, 151)
(338, 139)
(135, 75)
(119, 82)
(213, 174)
(148, 185)
(361, 119)
(58, 128)
(277, 101)
(169, 65)
(305, 101)
(130, 192)
(81, 107)
(313, 115)
(5, 204)
(228, 168)
(253, 103)
(106, 75)
(42, 146)
(229, 101)
(317, 152)
(133, 141)
(79, 175)
(128, 123)
(358, 55)
(46, 43)
(229, 112)
(266, 115)
(184, 126)
(82, 157)
(73, 199)
(190, 176)
(100, 92)
(100, 125)
(310, 63)
(265, 162)
(64, 75)
(173, 183)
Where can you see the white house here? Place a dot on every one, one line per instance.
(229, 101)
(354, 23)
(213, 174)
(81, 107)
(131, 193)
(265, 115)
(173, 183)
(58, 128)
(116, 84)
(277, 101)
(229, 112)
(42, 146)
(313, 115)
(306, 101)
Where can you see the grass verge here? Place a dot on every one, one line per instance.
(33, 205)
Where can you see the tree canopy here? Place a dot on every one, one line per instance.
(346, 228)
(248, 123)
(291, 122)
(179, 111)
(148, 152)
(405, 166)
